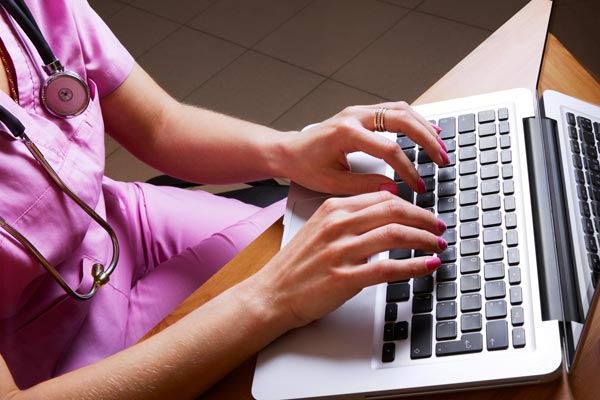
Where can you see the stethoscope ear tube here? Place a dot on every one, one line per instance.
(16, 128)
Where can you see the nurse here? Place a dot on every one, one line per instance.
(173, 240)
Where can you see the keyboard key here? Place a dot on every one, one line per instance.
(507, 171)
(411, 154)
(495, 309)
(446, 189)
(450, 145)
(468, 197)
(470, 322)
(466, 123)
(489, 142)
(422, 303)
(489, 171)
(421, 335)
(506, 156)
(466, 139)
(496, 333)
(512, 238)
(469, 247)
(517, 317)
(490, 187)
(493, 271)
(448, 255)
(514, 275)
(467, 153)
(493, 253)
(575, 147)
(405, 192)
(448, 126)
(388, 352)
(470, 213)
(423, 284)
(446, 272)
(510, 220)
(468, 343)
(508, 187)
(423, 157)
(470, 302)
(391, 312)
(388, 332)
(503, 114)
(492, 235)
(594, 262)
(401, 330)
(487, 129)
(445, 330)
(470, 265)
(495, 290)
(446, 174)
(486, 116)
(450, 236)
(504, 127)
(516, 295)
(451, 160)
(397, 292)
(518, 337)
(446, 204)
(405, 143)
(488, 157)
(505, 142)
(445, 310)
(513, 256)
(469, 230)
(426, 170)
(570, 119)
(490, 202)
(577, 161)
(429, 184)
(492, 218)
(400, 254)
(446, 291)
(467, 167)
(573, 133)
(584, 123)
(449, 219)
(470, 283)
(510, 203)
(426, 199)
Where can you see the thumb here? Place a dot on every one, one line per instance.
(345, 182)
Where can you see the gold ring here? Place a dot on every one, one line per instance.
(379, 120)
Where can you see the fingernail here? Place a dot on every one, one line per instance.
(421, 185)
(445, 159)
(442, 144)
(441, 226)
(389, 187)
(442, 244)
(433, 263)
(437, 128)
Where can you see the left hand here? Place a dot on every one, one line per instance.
(317, 159)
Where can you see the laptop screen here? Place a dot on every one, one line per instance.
(574, 36)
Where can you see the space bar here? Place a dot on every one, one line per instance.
(469, 343)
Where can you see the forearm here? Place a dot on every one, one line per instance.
(182, 361)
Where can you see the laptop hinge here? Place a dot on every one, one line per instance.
(551, 224)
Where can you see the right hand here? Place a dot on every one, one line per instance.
(325, 264)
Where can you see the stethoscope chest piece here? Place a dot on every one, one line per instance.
(65, 94)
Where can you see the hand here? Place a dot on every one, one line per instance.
(317, 159)
(325, 264)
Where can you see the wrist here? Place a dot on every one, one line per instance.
(279, 153)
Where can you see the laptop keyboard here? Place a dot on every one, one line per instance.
(474, 299)
(585, 137)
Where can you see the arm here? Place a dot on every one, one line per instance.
(203, 146)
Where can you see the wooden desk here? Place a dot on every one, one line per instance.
(579, 385)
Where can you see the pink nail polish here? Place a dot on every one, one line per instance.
(389, 187)
(433, 263)
(442, 144)
(437, 128)
(421, 185)
(442, 244)
(445, 159)
(441, 226)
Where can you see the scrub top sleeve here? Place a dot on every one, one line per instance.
(107, 62)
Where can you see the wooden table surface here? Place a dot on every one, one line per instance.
(581, 383)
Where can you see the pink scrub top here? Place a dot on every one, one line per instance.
(171, 240)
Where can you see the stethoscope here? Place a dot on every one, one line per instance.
(64, 94)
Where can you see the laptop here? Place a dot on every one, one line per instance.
(521, 200)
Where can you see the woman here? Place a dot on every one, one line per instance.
(173, 240)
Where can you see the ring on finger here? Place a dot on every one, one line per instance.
(379, 119)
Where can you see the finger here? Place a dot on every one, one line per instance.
(355, 203)
(389, 270)
(362, 139)
(345, 182)
(402, 105)
(393, 236)
(396, 211)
